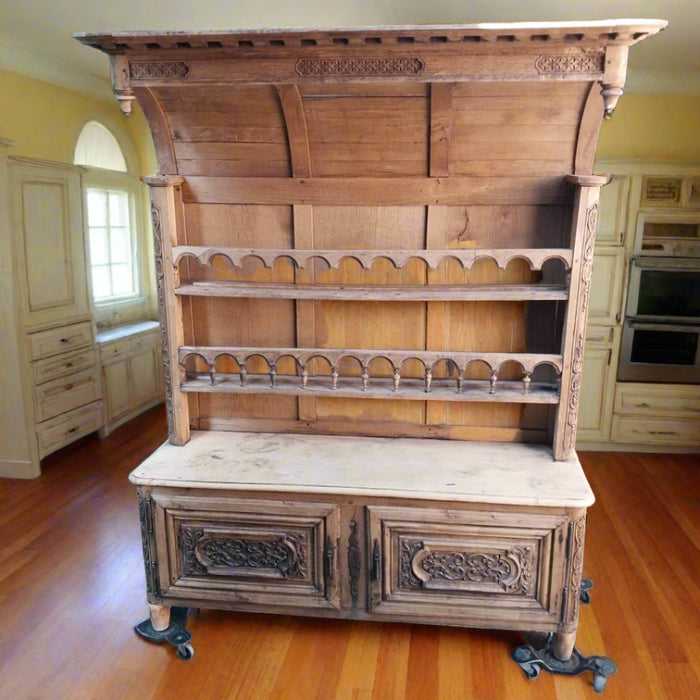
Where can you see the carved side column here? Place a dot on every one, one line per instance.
(166, 211)
(583, 228)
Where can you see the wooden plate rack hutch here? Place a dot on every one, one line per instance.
(401, 214)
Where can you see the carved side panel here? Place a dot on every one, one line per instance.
(150, 558)
(577, 535)
(159, 70)
(580, 329)
(160, 286)
(354, 562)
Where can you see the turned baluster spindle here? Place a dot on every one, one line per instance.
(304, 376)
(212, 372)
(334, 378)
(460, 383)
(243, 374)
(526, 382)
(492, 382)
(428, 379)
(273, 376)
(365, 377)
(397, 378)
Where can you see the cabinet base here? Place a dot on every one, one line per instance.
(175, 634)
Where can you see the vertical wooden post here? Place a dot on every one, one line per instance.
(166, 205)
(583, 228)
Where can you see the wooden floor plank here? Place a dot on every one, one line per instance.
(71, 589)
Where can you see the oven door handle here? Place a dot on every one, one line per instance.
(646, 326)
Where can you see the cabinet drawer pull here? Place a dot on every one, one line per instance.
(376, 561)
(68, 387)
(74, 429)
(644, 404)
(63, 341)
(68, 364)
(328, 561)
(662, 432)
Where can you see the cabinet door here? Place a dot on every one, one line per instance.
(613, 211)
(247, 552)
(117, 396)
(50, 251)
(486, 568)
(605, 304)
(145, 376)
(598, 387)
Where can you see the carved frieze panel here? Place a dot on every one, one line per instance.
(571, 63)
(144, 70)
(319, 67)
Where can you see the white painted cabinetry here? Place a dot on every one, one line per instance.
(132, 375)
(49, 380)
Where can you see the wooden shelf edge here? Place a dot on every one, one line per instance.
(410, 389)
(475, 292)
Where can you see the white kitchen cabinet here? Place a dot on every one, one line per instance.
(132, 378)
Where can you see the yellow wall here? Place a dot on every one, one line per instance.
(44, 121)
(653, 127)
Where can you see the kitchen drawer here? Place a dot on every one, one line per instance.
(130, 345)
(70, 426)
(674, 432)
(654, 400)
(63, 394)
(60, 365)
(56, 340)
(478, 564)
(248, 551)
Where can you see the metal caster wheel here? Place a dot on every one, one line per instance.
(584, 595)
(532, 671)
(599, 681)
(184, 652)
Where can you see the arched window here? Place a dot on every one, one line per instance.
(110, 194)
(98, 148)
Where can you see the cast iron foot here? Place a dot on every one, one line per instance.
(532, 661)
(176, 634)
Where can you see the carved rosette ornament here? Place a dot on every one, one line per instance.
(320, 67)
(580, 329)
(510, 570)
(208, 554)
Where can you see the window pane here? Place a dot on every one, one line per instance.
(101, 282)
(120, 245)
(118, 208)
(99, 248)
(97, 207)
(122, 281)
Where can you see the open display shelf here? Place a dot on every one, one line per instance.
(402, 214)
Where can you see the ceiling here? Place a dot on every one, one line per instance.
(36, 36)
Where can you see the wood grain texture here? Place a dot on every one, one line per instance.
(643, 523)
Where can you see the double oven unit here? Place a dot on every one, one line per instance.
(661, 334)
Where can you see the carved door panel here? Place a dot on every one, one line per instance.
(247, 552)
(481, 566)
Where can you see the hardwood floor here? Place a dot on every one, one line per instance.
(72, 587)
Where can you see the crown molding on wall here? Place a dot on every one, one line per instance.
(661, 82)
(19, 60)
